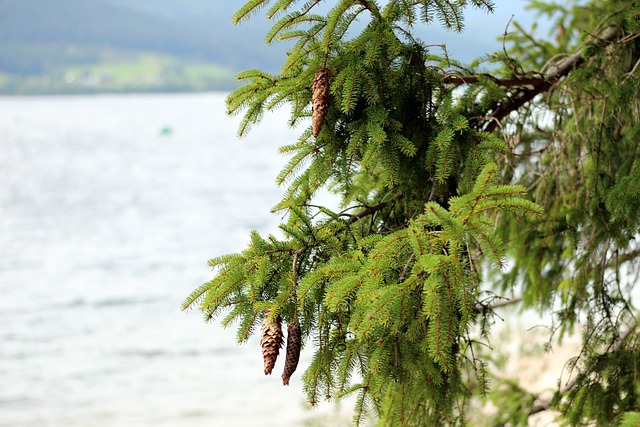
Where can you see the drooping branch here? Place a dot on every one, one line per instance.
(530, 87)
(552, 76)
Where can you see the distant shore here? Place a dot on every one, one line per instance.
(146, 73)
(124, 91)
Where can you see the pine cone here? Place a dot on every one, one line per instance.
(271, 341)
(320, 99)
(294, 338)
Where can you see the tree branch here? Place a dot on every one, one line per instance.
(369, 210)
(516, 81)
(530, 86)
(625, 257)
(552, 76)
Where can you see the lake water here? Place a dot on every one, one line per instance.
(106, 224)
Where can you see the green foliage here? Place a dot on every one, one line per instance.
(391, 291)
(630, 419)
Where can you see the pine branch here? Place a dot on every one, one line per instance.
(371, 7)
(388, 287)
(546, 404)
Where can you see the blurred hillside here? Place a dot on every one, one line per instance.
(52, 46)
(85, 46)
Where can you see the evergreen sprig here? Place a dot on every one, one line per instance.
(440, 187)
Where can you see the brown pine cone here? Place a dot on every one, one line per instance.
(294, 344)
(271, 341)
(319, 100)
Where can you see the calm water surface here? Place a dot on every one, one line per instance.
(106, 224)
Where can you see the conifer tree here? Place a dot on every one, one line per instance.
(515, 176)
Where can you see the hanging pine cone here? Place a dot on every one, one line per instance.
(320, 100)
(294, 338)
(271, 341)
